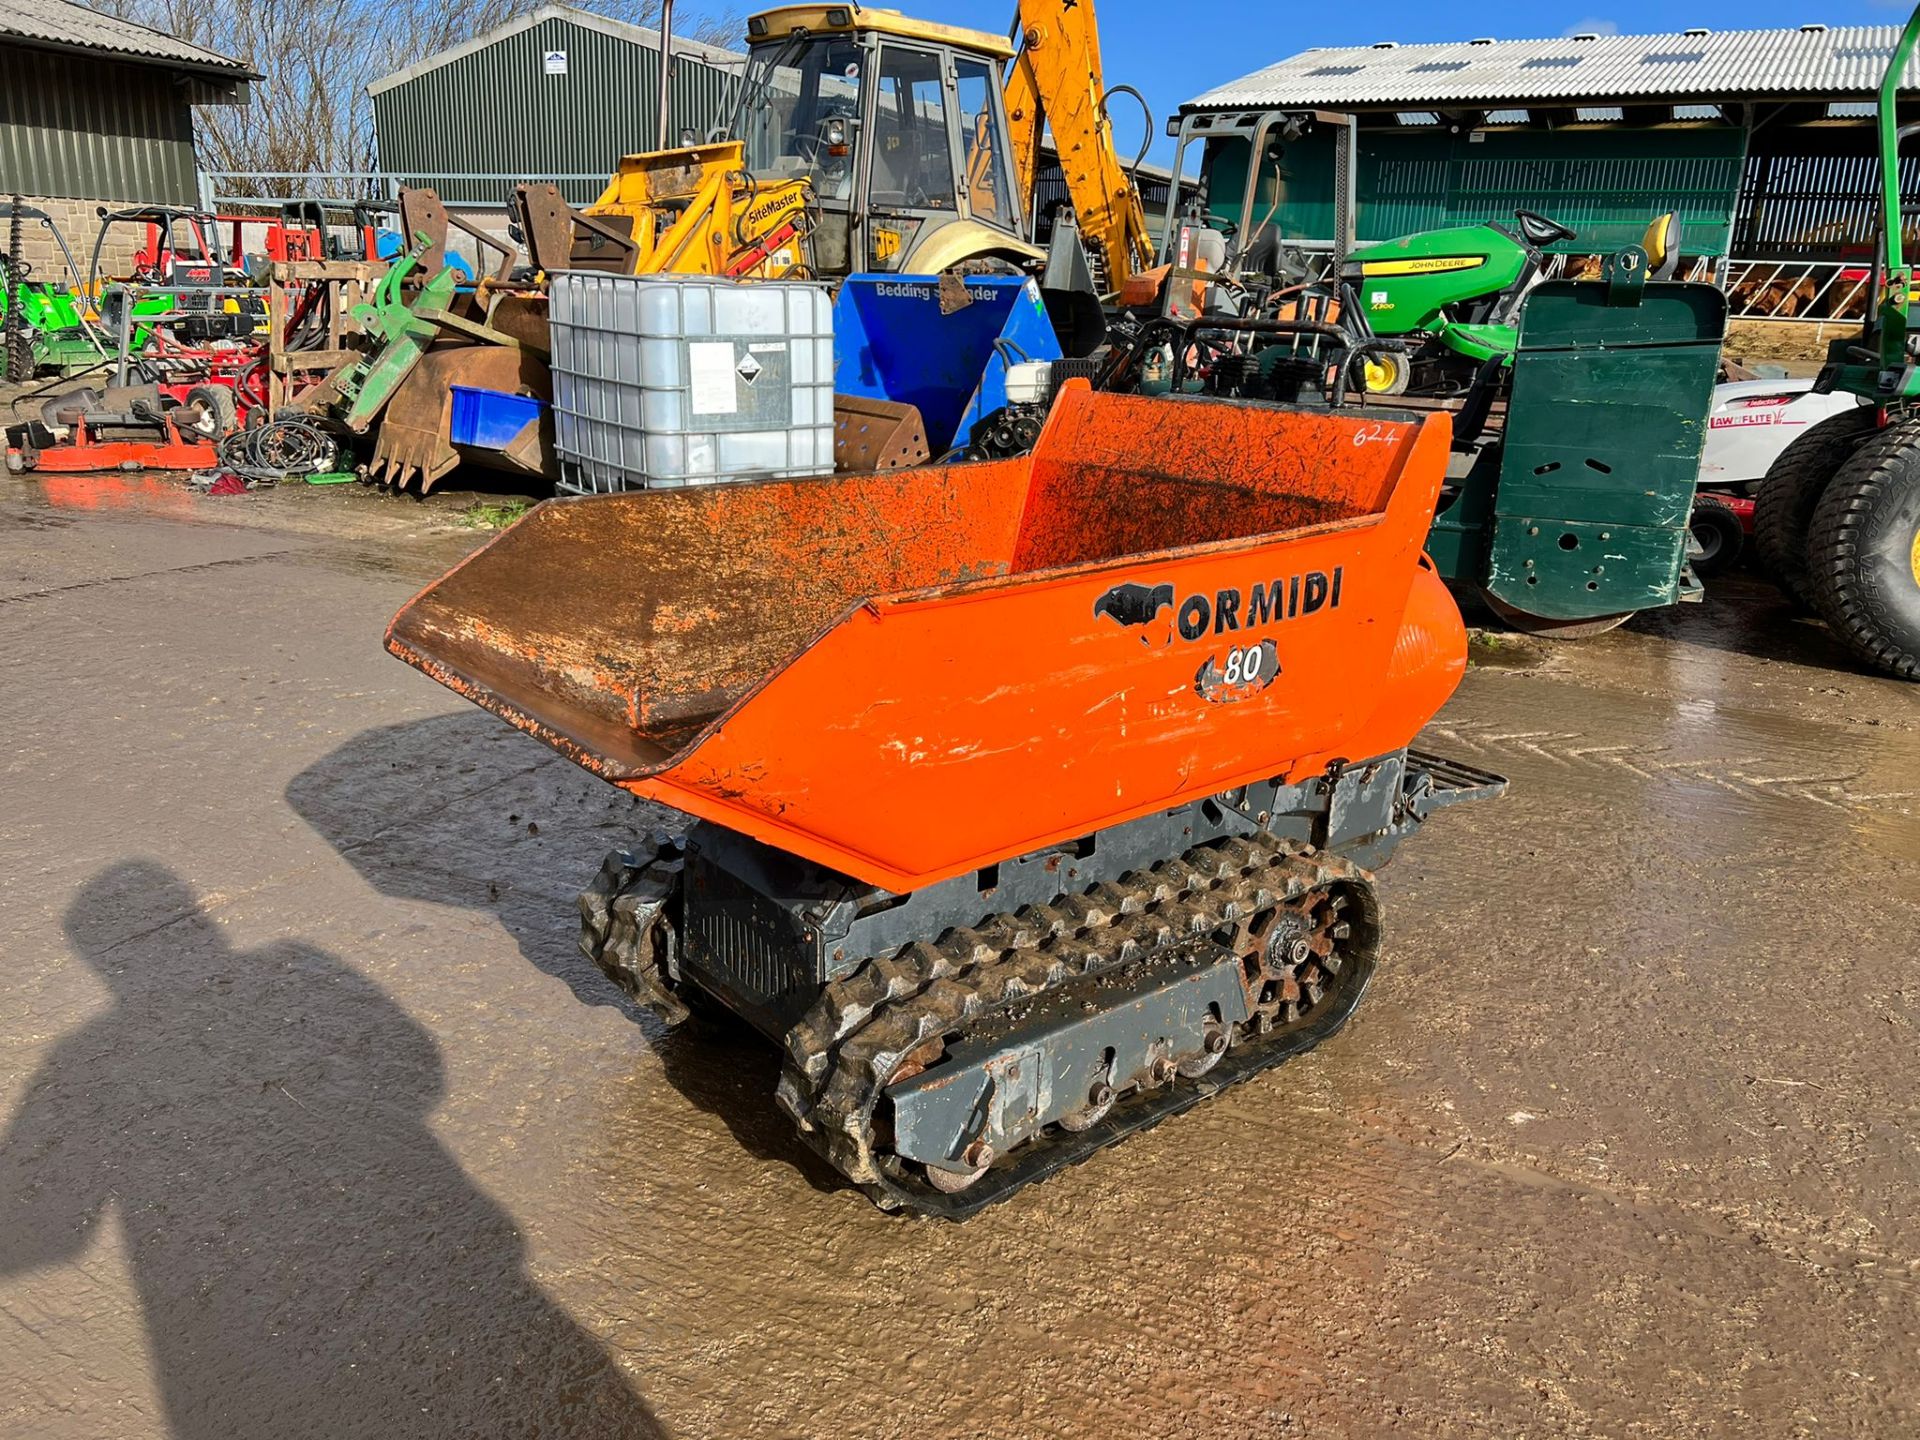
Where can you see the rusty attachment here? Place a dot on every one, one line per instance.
(871, 434)
(559, 237)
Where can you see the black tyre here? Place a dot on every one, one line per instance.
(1783, 507)
(1547, 628)
(214, 409)
(1387, 372)
(1716, 531)
(1863, 552)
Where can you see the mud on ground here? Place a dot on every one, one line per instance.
(315, 1122)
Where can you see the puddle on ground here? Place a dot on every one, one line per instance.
(118, 490)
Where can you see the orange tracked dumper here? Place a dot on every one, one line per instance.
(1032, 800)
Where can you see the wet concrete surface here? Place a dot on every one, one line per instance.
(315, 1122)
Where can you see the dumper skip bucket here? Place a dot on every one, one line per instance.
(910, 674)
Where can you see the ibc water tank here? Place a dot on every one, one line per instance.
(681, 380)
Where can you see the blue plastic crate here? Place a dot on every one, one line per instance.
(490, 419)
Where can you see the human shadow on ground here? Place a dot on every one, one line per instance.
(308, 1259)
(462, 809)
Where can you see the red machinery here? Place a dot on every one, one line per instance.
(130, 428)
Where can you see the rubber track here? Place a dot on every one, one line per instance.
(609, 935)
(841, 1054)
(1784, 504)
(1848, 591)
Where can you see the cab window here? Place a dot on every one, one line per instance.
(983, 144)
(912, 162)
(799, 113)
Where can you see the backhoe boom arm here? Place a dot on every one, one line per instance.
(1056, 81)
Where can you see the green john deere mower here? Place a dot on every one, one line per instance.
(1837, 519)
(1578, 406)
(1455, 294)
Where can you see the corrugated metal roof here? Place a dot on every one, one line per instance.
(66, 26)
(600, 24)
(1838, 62)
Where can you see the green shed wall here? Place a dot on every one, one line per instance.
(496, 110)
(76, 127)
(1605, 184)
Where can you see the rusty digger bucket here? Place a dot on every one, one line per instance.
(909, 674)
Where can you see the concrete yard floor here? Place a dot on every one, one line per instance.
(316, 1123)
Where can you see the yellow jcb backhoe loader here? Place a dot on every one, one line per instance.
(860, 140)
(864, 139)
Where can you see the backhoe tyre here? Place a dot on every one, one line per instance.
(1863, 552)
(1783, 508)
(1718, 536)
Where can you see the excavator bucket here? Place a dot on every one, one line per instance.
(412, 446)
(508, 353)
(910, 674)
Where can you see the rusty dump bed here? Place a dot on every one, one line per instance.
(909, 674)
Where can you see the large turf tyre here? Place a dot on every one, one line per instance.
(1783, 507)
(1863, 552)
(1716, 531)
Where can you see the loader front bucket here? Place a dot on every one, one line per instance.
(911, 674)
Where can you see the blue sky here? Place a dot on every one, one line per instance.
(1171, 52)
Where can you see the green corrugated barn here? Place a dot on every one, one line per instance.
(557, 92)
(95, 110)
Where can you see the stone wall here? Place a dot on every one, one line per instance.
(79, 220)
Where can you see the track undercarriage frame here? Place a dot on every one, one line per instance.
(946, 1047)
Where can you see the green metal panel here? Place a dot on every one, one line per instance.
(497, 110)
(1813, 193)
(1602, 446)
(76, 127)
(1604, 183)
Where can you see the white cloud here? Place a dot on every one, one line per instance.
(1591, 26)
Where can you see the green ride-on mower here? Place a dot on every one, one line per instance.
(64, 336)
(1837, 519)
(1454, 295)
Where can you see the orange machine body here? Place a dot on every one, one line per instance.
(910, 674)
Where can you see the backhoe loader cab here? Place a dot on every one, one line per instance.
(900, 128)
